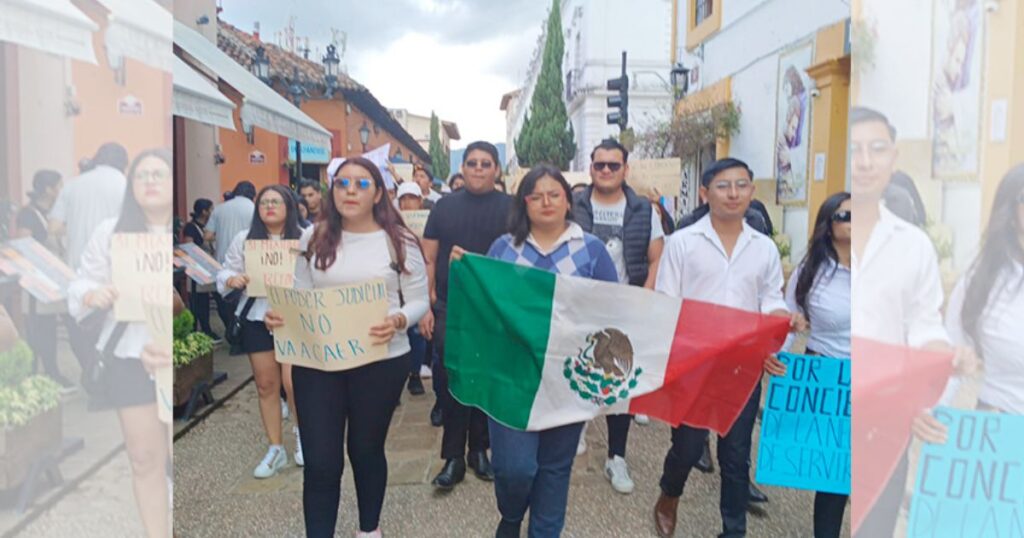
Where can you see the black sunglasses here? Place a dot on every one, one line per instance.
(614, 167)
(842, 216)
(486, 165)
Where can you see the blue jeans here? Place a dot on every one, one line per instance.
(418, 351)
(532, 470)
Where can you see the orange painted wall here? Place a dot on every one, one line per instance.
(98, 93)
(236, 150)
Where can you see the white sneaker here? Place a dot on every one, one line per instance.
(299, 460)
(425, 372)
(617, 472)
(374, 534)
(642, 420)
(284, 409)
(581, 446)
(272, 463)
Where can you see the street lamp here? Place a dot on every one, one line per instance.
(680, 76)
(260, 65)
(296, 91)
(331, 63)
(364, 135)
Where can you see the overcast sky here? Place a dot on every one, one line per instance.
(456, 57)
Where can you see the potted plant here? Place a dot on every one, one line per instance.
(30, 414)
(193, 357)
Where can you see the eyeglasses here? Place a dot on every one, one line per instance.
(842, 216)
(151, 176)
(726, 186)
(875, 148)
(539, 197)
(486, 165)
(271, 202)
(614, 167)
(344, 183)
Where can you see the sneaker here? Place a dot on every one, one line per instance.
(299, 460)
(581, 446)
(374, 534)
(284, 409)
(642, 420)
(425, 372)
(272, 463)
(617, 472)
(415, 385)
(217, 339)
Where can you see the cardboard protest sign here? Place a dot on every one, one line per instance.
(416, 220)
(329, 329)
(198, 264)
(805, 429)
(973, 485)
(158, 310)
(44, 276)
(141, 265)
(269, 262)
(664, 174)
(404, 170)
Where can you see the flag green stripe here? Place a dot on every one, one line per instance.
(497, 336)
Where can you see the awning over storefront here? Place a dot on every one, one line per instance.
(54, 26)
(262, 106)
(141, 30)
(197, 99)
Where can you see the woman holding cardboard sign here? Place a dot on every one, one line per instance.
(359, 237)
(123, 378)
(276, 219)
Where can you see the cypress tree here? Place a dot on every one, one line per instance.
(438, 156)
(548, 136)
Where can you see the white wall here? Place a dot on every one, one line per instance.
(45, 133)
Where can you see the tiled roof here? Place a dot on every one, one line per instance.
(241, 46)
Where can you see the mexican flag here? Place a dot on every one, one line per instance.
(536, 350)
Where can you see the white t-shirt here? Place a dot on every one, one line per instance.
(84, 203)
(608, 222)
(227, 220)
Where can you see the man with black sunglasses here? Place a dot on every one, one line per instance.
(468, 220)
(632, 232)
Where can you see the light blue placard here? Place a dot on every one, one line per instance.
(310, 154)
(805, 429)
(974, 484)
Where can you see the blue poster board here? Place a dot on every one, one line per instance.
(974, 484)
(805, 429)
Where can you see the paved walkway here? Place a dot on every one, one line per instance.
(216, 496)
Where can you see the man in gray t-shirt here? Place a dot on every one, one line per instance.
(231, 217)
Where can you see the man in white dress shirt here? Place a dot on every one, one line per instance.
(720, 259)
(897, 290)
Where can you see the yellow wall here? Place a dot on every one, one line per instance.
(1003, 80)
(831, 73)
(698, 33)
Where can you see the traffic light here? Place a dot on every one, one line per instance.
(620, 84)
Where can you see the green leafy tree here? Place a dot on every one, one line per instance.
(547, 135)
(438, 156)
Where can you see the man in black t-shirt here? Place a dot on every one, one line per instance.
(468, 220)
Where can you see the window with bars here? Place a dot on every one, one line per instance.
(704, 9)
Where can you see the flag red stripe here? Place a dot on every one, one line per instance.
(716, 362)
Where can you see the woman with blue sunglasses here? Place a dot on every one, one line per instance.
(360, 236)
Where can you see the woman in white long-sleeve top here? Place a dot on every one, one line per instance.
(359, 236)
(276, 218)
(130, 356)
(820, 290)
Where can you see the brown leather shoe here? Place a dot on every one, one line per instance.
(665, 515)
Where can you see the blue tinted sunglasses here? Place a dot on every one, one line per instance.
(346, 182)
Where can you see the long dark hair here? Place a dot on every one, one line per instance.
(819, 250)
(133, 219)
(1001, 246)
(327, 234)
(518, 219)
(258, 230)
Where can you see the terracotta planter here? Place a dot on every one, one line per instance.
(19, 446)
(188, 376)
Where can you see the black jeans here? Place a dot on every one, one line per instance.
(618, 434)
(828, 514)
(41, 333)
(363, 400)
(200, 307)
(226, 309)
(733, 459)
(461, 423)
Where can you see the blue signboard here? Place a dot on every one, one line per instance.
(310, 154)
(805, 429)
(973, 485)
